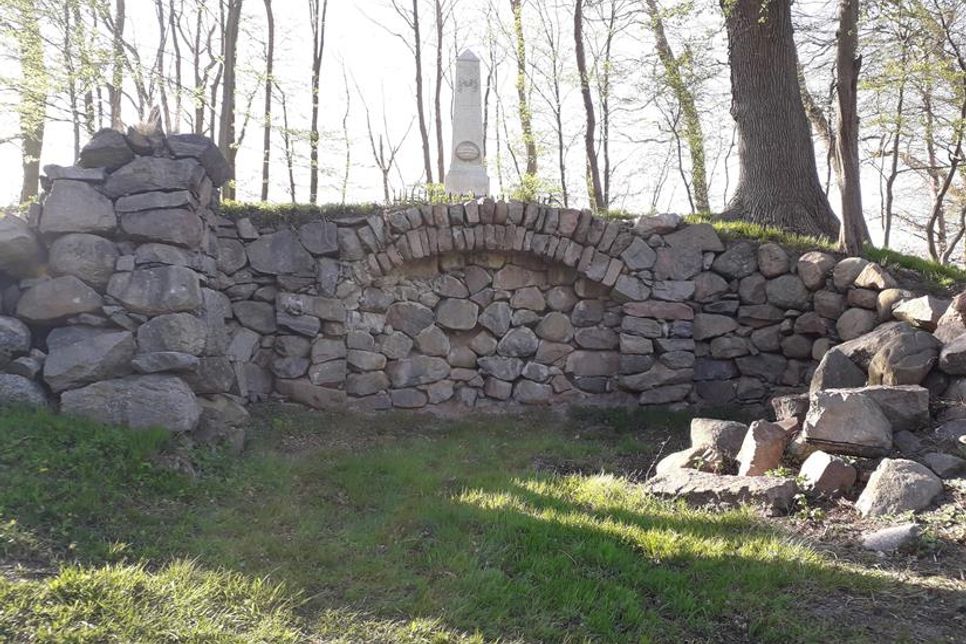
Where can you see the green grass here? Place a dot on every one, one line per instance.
(395, 528)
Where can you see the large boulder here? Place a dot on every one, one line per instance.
(196, 146)
(701, 489)
(107, 149)
(88, 257)
(179, 226)
(952, 359)
(177, 332)
(898, 486)
(855, 323)
(847, 422)
(138, 402)
(150, 174)
(17, 391)
(418, 370)
(862, 349)
(905, 359)
(836, 371)
(77, 207)
(762, 448)
(457, 314)
(740, 260)
(814, 267)
(156, 291)
(79, 355)
(906, 406)
(827, 474)
(725, 436)
(787, 292)
(53, 300)
(281, 253)
(922, 312)
(20, 253)
(951, 325)
(15, 339)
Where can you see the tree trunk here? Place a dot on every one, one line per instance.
(32, 110)
(778, 182)
(693, 132)
(526, 124)
(853, 233)
(593, 171)
(117, 76)
(267, 114)
(440, 157)
(226, 126)
(420, 109)
(318, 48)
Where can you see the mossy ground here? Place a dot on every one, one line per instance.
(398, 528)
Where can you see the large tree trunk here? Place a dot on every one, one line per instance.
(778, 182)
(267, 114)
(693, 132)
(226, 126)
(594, 186)
(32, 110)
(854, 232)
(526, 118)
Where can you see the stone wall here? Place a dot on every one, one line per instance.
(150, 301)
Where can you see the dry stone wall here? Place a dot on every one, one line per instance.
(151, 308)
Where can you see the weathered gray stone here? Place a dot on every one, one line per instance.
(922, 312)
(418, 370)
(156, 291)
(280, 253)
(196, 146)
(87, 257)
(890, 539)
(897, 486)
(304, 392)
(642, 326)
(678, 263)
(706, 287)
(836, 371)
(725, 436)
(214, 375)
(660, 224)
(433, 341)
(790, 406)
(787, 292)
(409, 317)
(497, 389)
(773, 260)
(829, 304)
(593, 363)
(827, 474)
(179, 332)
(408, 398)
(702, 488)
(457, 314)
(701, 458)
(20, 252)
(664, 395)
(751, 289)
(845, 272)
(77, 207)
(178, 226)
(231, 255)
(762, 448)
(319, 237)
(366, 384)
(855, 323)
(707, 326)
(597, 337)
(873, 276)
(155, 201)
(17, 391)
(149, 174)
(555, 327)
(78, 355)
(946, 466)
(638, 255)
(332, 372)
(54, 300)
(164, 361)
(529, 298)
(107, 149)
(740, 260)
(257, 316)
(138, 402)
(657, 376)
(905, 359)
(843, 421)
(15, 339)
(512, 277)
(702, 237)
(862, 349)
(532, 393)
(673, 290)
(952, 358)
(518, 343)
(906, 406)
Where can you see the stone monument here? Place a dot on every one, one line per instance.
(467, 172)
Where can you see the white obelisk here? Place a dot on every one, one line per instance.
(467, 173)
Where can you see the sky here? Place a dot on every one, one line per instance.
(362, 51)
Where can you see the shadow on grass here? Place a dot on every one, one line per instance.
(412, 529)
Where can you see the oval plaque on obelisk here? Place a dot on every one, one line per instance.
(467, 151)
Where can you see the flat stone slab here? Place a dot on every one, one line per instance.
(775, 494)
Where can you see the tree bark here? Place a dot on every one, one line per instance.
(593, 171)
(420, 109)
(693, 132)
(526, 118)
(32, 110)
(318, 47)
(440, 157)
(117, 76)
(226, 126)
(853, 233)
(778, 182)
(267, 113)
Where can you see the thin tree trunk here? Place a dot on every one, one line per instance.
(32, 110)
(778, 182)
(593, 171)
(318, 48)
(287, 141)
(693, 132)
(117, 76)
(420, 109)
(226, 126)
(526, 118)
(162, 77)
(894, 166)
(267, 113)
(853, 233)
(72, 75)
(174, 18)
(440, 159)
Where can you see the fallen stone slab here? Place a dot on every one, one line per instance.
(843, 421)
(836, 371)
(906, 406)
(892, 538)
(827, 474)
(946, 466)
(905, 359)
(725, 436)
(762, 448)
(921, 312)
(899, 485)
(861, 350)
(138, 402)
(775, 494)
(702, 458)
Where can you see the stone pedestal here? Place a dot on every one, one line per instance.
(467, 172)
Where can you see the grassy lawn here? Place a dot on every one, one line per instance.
(401, 528)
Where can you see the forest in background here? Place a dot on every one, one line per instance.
(780, 113)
